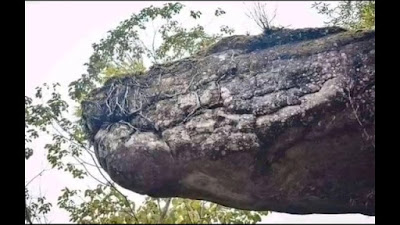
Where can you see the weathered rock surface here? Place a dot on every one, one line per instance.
(283, 122)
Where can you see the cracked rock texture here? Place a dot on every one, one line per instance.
(283, 121)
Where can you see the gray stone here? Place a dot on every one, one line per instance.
(283, 121)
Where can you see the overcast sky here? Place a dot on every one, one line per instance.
(58, 38)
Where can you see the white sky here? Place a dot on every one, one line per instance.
(58, 38)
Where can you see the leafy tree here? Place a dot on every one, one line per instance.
(123, 51)
(108, 206)
(124, 45)
(349, 14)
(36, 208)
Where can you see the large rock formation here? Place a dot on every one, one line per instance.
(282, 121)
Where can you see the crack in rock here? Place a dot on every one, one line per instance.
(283, 121)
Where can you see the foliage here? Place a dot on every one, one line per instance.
(123, 51)
(107, 206)
(103, 205)
(123, 45)
(201, 212)
(349, 14)
(37, 208)
(135, 68)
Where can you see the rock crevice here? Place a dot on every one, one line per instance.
(283, 121)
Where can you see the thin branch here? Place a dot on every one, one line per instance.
(70, 138)
(82, 145)
(260, 16)
(115, 106)
(154, 35)
(131, 61)
(37, 175)
(154, 60)
(80, 161)
(201, 210)
(109, 96)
(164, 213)
(111, 184)
(97, 166)
(120, 107)
(101, 173)
(125, 96)
(82, 164)
(159, 209)
(86, 163)
(129, 125)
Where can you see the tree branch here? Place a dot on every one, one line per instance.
(164, 213)
(37, 175)
(27, 213)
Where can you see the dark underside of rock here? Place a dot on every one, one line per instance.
(283, 121)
